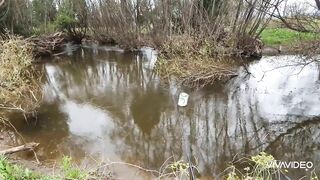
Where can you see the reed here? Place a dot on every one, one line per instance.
(19, 79)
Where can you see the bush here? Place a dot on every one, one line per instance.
(64, 21)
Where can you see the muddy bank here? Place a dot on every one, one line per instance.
(280, 50)
(18, 166)
(308, 48)
(7, 140)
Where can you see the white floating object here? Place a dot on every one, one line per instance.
(183, 99)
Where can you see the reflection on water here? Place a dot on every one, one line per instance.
(109, 104)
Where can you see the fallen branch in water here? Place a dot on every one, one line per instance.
(26, 147)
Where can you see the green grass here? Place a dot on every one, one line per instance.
(15, 172)
(71, 172)
(284, 36)
(11, 171)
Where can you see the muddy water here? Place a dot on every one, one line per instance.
(105, 104)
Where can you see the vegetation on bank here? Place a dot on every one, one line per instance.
(209, 33)
(260, 166)
(214, 33)
(67, 170)
(194, 63)
(272, 37)
(15, 172)
(140, 23)
(19, 80)
(12, 171)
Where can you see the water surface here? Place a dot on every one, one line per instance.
(106, 104)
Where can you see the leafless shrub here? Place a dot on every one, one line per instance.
(301, 17)
(141, 22)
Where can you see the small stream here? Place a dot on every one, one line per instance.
(106, 104)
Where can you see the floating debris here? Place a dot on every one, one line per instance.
(183, 99)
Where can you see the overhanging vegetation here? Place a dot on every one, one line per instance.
(19, 80)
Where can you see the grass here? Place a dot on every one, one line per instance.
(195, 72)
(261, 166)
(198, 62)
(283, 36)
(11, 171)
(15, 172)
(70, 171)
(19, 80)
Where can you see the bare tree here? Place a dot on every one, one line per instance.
(299, 17)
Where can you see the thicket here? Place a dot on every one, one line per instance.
(143, 22)
(230, 24)
(38, 17)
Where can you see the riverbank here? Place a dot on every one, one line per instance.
(260, 166)
(283, 41)
(18, 169)
(19, 80)
(199, 64)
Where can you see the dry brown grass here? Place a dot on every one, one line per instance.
(195, 63)
(19, 80)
